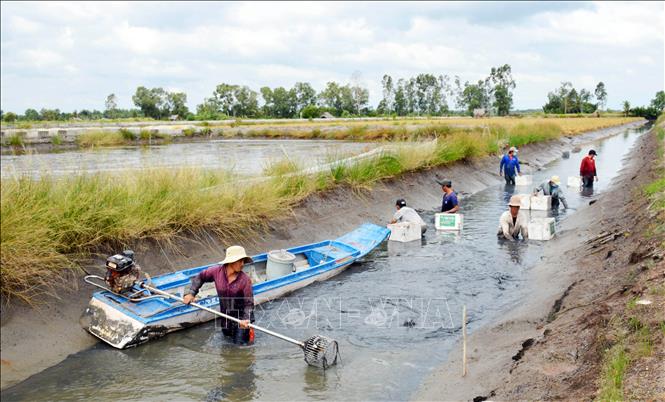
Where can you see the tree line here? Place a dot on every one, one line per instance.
(421, 95)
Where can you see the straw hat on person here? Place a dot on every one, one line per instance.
(515, 201)
(556, 180)
(235, 253)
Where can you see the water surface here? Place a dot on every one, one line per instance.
(396, 315)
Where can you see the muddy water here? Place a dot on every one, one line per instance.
(245, 157)
(396, 316)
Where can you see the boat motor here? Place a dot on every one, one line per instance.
(122, 271)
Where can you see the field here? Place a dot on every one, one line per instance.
(49, 225)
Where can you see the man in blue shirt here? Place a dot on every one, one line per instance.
(449, 205)
(510, 163)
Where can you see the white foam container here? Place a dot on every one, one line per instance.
(450, 222)
(523, 180)
(525, 201)
(541, 202)
(574, 181)
(541, 229)
(404, 231)
(280, 263)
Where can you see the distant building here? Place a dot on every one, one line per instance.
(326, 115)
(480, 112)
(174, 117)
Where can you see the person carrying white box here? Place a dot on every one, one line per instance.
(407, 214)
(552, 187)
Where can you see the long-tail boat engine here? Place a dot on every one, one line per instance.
(122, 271)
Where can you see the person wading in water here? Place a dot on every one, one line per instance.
(234, 289)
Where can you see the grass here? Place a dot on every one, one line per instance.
(47, 225)
(15, 140)
(614, 367)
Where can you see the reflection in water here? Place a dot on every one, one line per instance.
(237, 381)
(396, 316)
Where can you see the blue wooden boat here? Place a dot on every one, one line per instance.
(123, 322)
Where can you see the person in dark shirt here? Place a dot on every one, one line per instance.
(234, 289)
(449, 204)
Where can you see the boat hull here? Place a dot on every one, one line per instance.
(113, 321)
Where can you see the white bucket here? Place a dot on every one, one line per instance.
(405, 231)
(451, 222)
(280, 263)
(574, 181)
(524, 180)
(541, 202)
(525, 201)
(541, 229)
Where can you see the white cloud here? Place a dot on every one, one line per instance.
(113, 47)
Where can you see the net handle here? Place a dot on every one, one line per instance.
(228, 317)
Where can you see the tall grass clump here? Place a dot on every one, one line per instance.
(100, 139)
(127, 135)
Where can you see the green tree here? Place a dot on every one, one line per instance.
(601, 95)
(331, 97)
(150, 101)
(658, 102)
(626, 108)
(386, 105)
(111, 104)
(401, 103)
(310, 112)
(9, 117)
(305, 95)
(176, 104)
(208, 110)
(503, 83)
(50, 114)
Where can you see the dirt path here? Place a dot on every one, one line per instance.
(552, 345)
(34, 339)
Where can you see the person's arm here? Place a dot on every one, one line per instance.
(505, 228)
(396, 217)
(207, 275)
(594, 171)
(455, 208)
(582, 167)
(503, 162)
(539, 188)
(524, 227)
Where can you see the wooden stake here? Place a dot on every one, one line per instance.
(464, 341)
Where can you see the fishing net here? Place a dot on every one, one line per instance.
(321, 351)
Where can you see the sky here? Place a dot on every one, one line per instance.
(71, 55)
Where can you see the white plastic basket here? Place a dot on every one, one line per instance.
(404, 232)
(542, 229)
(450, 222)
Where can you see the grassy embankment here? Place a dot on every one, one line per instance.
(638, 329)
(382, 130)
(47, 225)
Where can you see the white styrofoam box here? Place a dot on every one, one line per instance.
(524, 180)
(541, 202)
(448, 221)
(574, 181)
(541, 229)
(525, 201)
(405, 231)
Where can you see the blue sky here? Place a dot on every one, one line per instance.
(72, 55)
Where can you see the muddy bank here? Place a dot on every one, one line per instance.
(551, 346)
(26, 349)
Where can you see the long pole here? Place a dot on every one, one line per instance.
(228, 317)
(464, 341)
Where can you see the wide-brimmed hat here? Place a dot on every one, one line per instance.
(512, 149)
(235, 253)
(555, 180)
(515, 201)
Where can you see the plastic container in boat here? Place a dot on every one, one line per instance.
(405, 231)
(280, 263)
(541, 229)
(452, 222)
